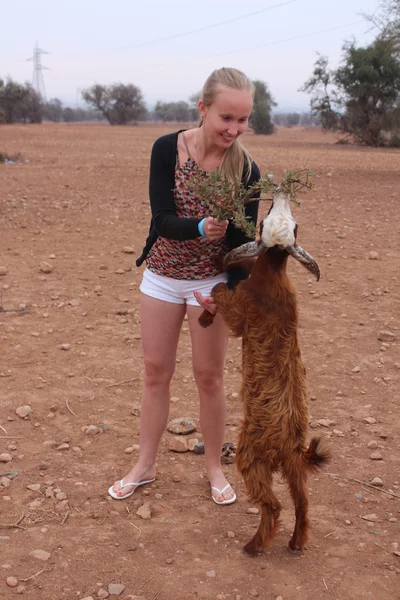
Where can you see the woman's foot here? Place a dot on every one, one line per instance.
(135, 478)
(221, 490)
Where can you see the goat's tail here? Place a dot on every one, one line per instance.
(317, 454)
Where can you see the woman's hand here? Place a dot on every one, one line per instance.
(214, 229)
(206, 303)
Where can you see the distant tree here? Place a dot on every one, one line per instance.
(387, 20)
(361, 97)
(260, 118)
(172, 111)
(120, 104)
(193, 106)
(20, 103)
(53, 110)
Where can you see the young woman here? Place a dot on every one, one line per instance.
(179, 253)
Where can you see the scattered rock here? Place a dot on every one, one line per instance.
(356, 369)
(230, 535)
(253, 593)
(376, 456)
(102, 594)
(178, 444)
(45, 267)
(65, 347)
(252, 510)
(181, 426)
(372, 444)
(211, 573)
(369, 420)
(34, 487)
(12, 581)
(386, 336)
(325, 422)
(63, 447)
(136, 409)
(373, 518)
(40, 554)
(373, 255)
(43, 465)
(192, 443)
(23, 411)
(128, 250)
(377, 481)
(144, 511)
(91, 430)
(5, 482)
(5, 457)
(50, 443)
(3, 271)
(116, 589)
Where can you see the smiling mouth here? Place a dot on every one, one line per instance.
(228, 139)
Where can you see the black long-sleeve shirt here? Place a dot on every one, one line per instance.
(165, 222)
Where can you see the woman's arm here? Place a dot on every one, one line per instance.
(162, 202)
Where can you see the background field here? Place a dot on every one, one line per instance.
(77, 204)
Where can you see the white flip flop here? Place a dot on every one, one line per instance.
(123, 485)
(229, 500)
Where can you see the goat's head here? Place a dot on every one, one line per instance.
(278, 229)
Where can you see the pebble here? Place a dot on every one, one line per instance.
(102, 594)
(372, 444)
(12, 581)
(43, 465)
(91, 430)
(129, 450)
(3, 271)
(254, 593)
(62, 447)
(348, 522)
(23, 411)
(158, 496)
(377, 481)
(136, 409)
(372, 517)
(373, 255)
(369, 420)
(34, 487)
(211, 573)
(178, 444)
(65, 347)
(376, 456)
(128, 250)
(45, 267)
(181, 426)
(252, 510)
(325, 422)
(116, 589)
(230, 535)
(5, 457)
(192, 443)
(386, 336)
(50, 443)
(144, 511)
(356, 369)
(40, 554)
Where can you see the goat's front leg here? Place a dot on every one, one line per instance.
(229, 307)
(297, 480)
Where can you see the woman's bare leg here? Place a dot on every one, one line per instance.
(161, 324)
(209, 350)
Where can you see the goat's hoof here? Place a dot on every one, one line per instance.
(250, 551)
(294, 549)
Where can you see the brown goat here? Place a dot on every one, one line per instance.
(262, 309)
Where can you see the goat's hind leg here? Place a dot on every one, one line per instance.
(258, 482)
(297, 480)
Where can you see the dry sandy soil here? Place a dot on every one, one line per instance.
(76, 203)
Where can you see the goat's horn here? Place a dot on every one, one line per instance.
(248, 250)
(302, 256)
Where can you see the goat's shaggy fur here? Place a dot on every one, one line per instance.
(262, 309)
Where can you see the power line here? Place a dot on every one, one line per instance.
(179, 35)
(37, 79)
(296, 37)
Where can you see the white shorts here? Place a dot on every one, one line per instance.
(178, 291)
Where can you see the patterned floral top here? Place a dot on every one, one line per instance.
(189, 259)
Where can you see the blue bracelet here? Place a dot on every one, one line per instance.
(200, 227)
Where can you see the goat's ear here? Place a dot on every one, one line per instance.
(261, 227)
(206, 319)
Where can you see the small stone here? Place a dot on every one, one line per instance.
(65, 347)
(144, 511)
(230, 535)
(91, 430)
(128, 250)
(34, 487)
(211, 573)
(136, 409)
(5, 457)
(115, 589)
(386, 336)
(169, 561)
(63, 447)
(372, 444)
(50, 443)
(383, 435)
(325, 422)
(373, 255)
(377, 482)
(178, 444)
(40, 554)
(45, 267)
(369, 420)
(129, 450)
(347, 522)
(5, 482)
(102, 594)
(181, 426)
(158, 496)
(192, 443)
(376, 456)
(23, 411)
(61, 496)
(3, 271)
(176, 478)
(254, 593)
(252, 510)
(21, 589)
(356, 369)
(43, 465)
(373, 518)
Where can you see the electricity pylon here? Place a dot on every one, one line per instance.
(37, 79)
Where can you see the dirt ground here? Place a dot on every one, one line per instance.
(76, 203)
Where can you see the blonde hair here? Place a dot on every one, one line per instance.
(235, 156)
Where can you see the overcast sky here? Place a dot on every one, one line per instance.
(169, 47)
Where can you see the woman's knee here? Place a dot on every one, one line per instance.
(157, 374)
(209, 380)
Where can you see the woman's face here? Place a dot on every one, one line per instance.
(227, 117)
